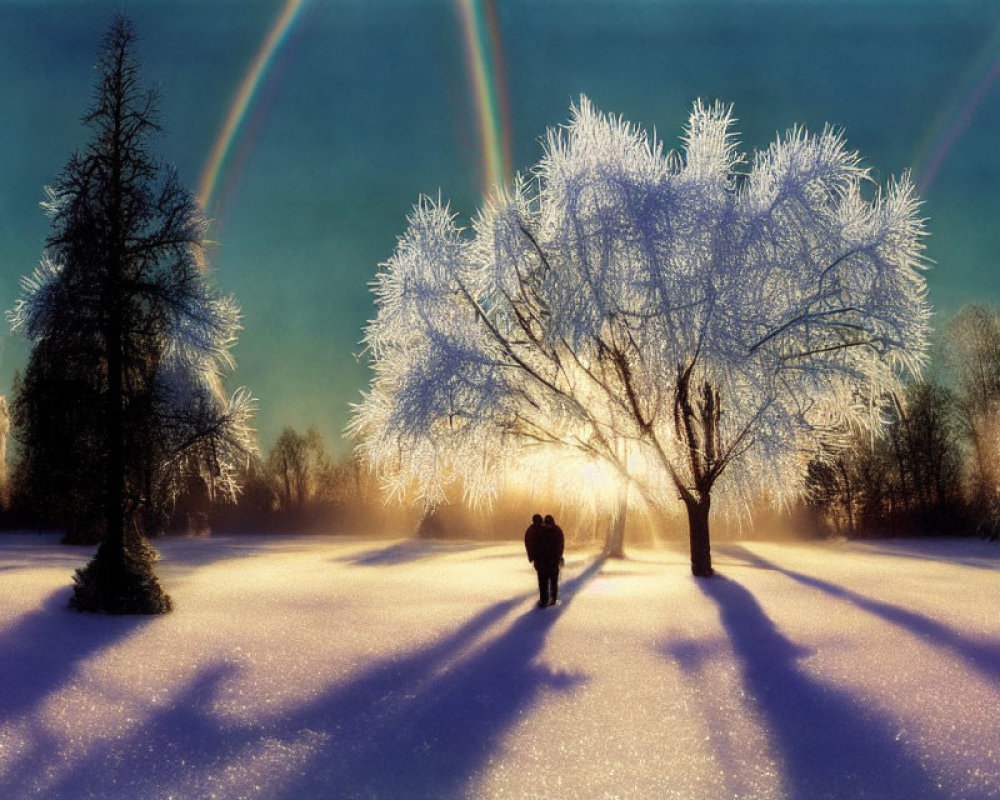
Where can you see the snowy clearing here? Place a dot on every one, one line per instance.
(341, 668)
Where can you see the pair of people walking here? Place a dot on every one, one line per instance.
(544, 542)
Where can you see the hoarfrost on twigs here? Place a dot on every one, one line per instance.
(695, 322)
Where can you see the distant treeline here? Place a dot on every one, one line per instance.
(936, 467)
(295, 487)
(934, 470)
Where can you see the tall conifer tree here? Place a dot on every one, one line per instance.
(130, 337)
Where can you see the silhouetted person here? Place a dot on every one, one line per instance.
(531, 537)
(547, 556)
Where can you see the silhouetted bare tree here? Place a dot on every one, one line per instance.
(906, 480)
(300, 469)
(972, 351)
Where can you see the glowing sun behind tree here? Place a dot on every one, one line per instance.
(700, 323)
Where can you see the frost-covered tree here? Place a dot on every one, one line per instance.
(130, 339)
(696, 324)
(972, 353)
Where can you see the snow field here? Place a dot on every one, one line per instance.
(345, 668)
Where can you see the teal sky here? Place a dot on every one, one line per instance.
(369, 104)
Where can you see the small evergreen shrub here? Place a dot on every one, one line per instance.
(110, 585)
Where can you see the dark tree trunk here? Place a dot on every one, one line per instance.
(114, 537)
(701, 551)
(614, 546)
(697, 425)
(4, 431)
(429, 526)
(979, 447)
(848, 498)
(114, 533)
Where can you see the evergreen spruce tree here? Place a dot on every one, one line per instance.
(122, 397)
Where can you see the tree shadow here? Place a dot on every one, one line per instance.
(414, 725)
(399, 553)
(830, 745)
(19, 776)
(928, 551)
(518, 554)
(184, 739)
(982, 656)
(41, 650)
(19, 551)
(203, 551)
(431, 742)
(177, 743)
(621, 568)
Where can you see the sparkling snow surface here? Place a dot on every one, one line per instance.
(340, 668)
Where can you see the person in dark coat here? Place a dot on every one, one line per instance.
(547, 556)
(531, 537)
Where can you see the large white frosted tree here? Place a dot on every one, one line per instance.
(697, 324)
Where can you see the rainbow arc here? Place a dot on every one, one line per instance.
(943, 134)
(484, 62)
(219, 154)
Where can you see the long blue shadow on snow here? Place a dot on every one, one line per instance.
(431, 740)
(829, 744)
(414, 726)
(931, 550)
(982, 656)
(398, 553)
(180, 743)
(196, 552)
(42, 650)
(185, 731)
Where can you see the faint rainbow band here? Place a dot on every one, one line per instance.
(244, 99)
(956, 117)
(484, 58)
(484, 61)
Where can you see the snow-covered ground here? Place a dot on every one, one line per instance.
(337, 668)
